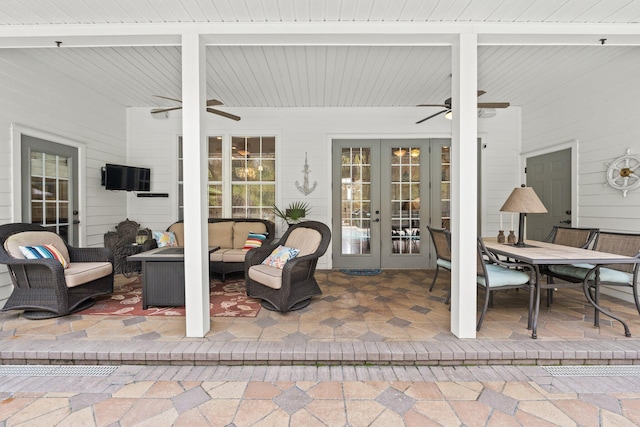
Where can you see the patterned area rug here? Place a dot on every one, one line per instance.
(228, 299)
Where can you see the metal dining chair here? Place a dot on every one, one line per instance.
(571, 236)
(441, 239)
(567, 236)
(625, 275)
(494, 274)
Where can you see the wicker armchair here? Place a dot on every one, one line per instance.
(291, 287)
(43, 288)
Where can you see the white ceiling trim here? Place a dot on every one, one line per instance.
(312, 33)
(44, 12)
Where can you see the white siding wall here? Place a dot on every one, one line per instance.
(39, 99)
(153, 144)
(601, 109)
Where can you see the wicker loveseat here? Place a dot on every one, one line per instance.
(44, 288)
(230, 234)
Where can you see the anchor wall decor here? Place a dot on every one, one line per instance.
(304, 188)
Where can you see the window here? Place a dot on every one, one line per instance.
(247, 188)
(253, 176)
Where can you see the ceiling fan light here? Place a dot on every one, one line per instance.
(486, 113)
(161, 115)
(448, 115)
(244, 153)
(400, 152)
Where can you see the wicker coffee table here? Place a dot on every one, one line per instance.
(163, 276)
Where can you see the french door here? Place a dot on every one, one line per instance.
(385, 193)
(49, 186)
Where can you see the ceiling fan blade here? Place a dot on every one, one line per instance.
(213, 102)
(162, 110)
(493, 104)
(166, 97)
(432, 105)
(481, 92)
(223, 114)
(433, 115)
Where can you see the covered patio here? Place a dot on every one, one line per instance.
(390, 318)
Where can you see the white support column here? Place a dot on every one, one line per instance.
(464, 194)
(196, 258)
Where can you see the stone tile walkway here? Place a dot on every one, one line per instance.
(321, 396)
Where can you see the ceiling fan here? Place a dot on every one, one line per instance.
(447, 106)
(210, 103)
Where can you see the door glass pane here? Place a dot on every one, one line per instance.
(63, 168)
(50, 196)
(445, 187)
(355, 200)
(405, 200)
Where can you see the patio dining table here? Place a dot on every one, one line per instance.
(542, 253)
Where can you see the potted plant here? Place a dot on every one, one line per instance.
(294, 213)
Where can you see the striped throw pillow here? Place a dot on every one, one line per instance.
(254, 240)
(43, 251)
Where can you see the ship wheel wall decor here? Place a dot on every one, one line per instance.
(624, 173)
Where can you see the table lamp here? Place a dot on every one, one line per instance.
(523, 200)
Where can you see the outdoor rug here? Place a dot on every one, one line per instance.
(227, 299)
(361, 272)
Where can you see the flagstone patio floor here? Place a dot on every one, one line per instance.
(390, 318)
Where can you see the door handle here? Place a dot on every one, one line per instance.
(377, 220)
(566, 221)
(76, 221)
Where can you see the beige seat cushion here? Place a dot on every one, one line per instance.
(266, 275)
(234, 255)
(34, 238)
(241, 230)
(221, 234)
(80, 273)
(178, 230)
(306, 240)
(217, 255)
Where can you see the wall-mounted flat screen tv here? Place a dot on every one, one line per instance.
(127, 178)
(141, 179)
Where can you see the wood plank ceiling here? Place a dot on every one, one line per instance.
(316, 76)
